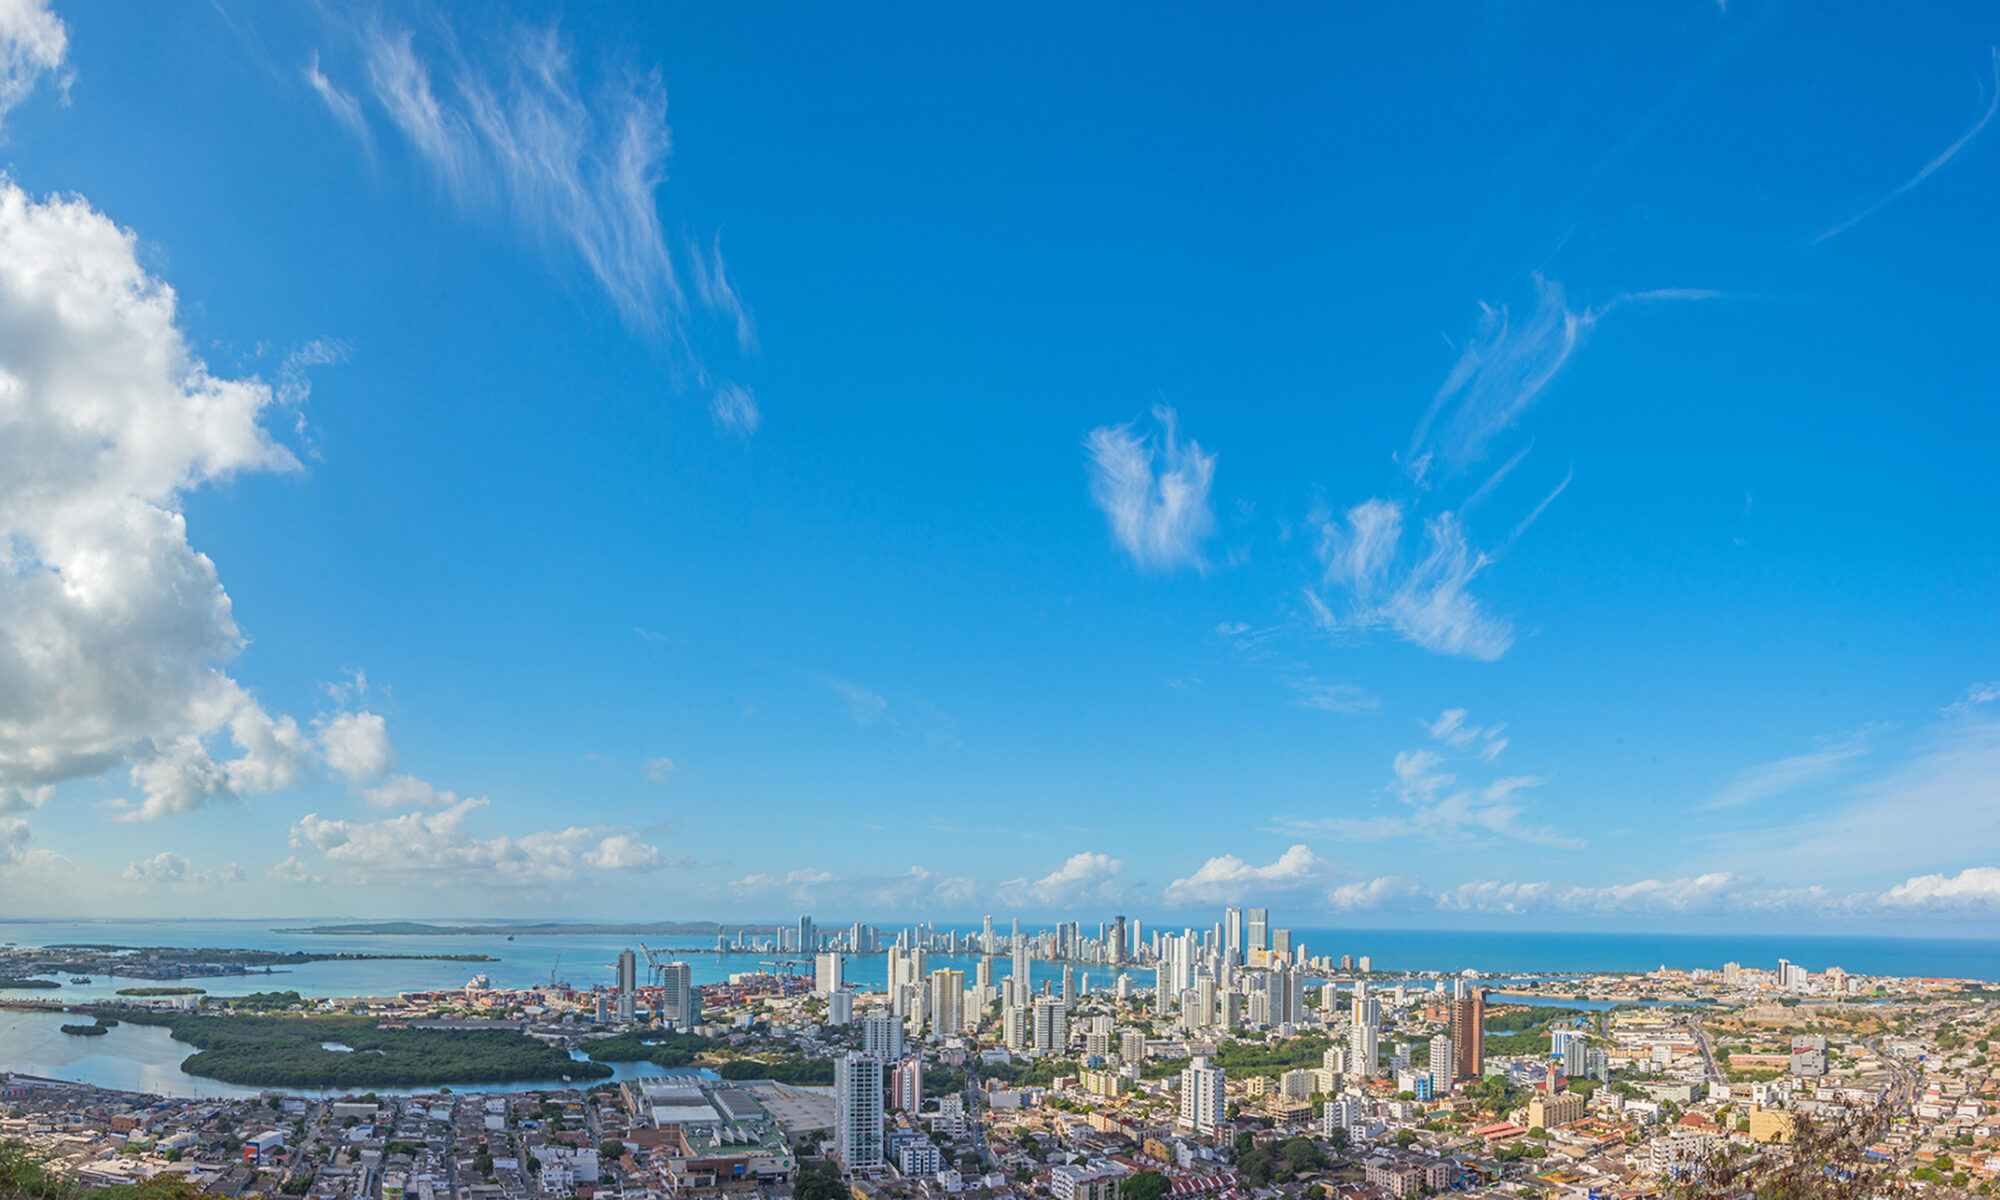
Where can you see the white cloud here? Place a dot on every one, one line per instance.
(800, 886)
(1435, 806)
(1426, 602)
(1500, 373)
(1084, 878)
(164, 867)
(1349, 699)
(1973, 888)
(292, 871)
(1975, 697)
(864, 706)
(168, 869)
(1160, 516)
(14, 837)
(1359, 551)
(439, 848)
(407, 791)
(1489, 896)
(1949, 152)
(1227, 879)
(1770, 779)
(735, 410)
(661, 769)
(113, 629)
(357, 745)
(33, 43)
(1369, 895)
(344, 107)
(1455, 731)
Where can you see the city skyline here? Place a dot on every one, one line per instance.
(540, 465)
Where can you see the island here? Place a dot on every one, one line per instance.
(19, 963)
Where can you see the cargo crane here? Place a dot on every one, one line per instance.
(656, 965)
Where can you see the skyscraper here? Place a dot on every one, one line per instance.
(1051, 1028)
(906, 1085)
(808, 937)
(857, 1111)
(1068, 987)
(1118, 950)
(1232, 934)
(680, 1004)
(986, 937)
(628, 985)
(947, 1002)
(1468, 1033)
(1258, 934)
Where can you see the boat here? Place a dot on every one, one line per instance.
(80, 979)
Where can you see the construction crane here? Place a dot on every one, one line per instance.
(553, 969)
(786, 966)
(656, 965)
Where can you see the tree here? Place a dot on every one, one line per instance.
(1244, 1143)
(1338, 1136)
(818, 1183)
(1406, 1138)
(1146, 1185)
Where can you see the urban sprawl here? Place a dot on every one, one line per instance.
(1221, 1063)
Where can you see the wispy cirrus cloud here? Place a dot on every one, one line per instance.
(1426, 598)
(1930, 168)
(1432, 803)
(1768, 780)
(508, 122)
(1153, 489)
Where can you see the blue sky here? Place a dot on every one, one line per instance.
(672, 461)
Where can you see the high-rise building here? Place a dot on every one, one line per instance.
(1281, 944)
(882, 1037)
(1468, 1033)
(840, 1008)
(1022, 967)
(947, 1002)
(1118, 951)
(1068, 987)
(826, 973)
(1017, 1028)
(628, 985)
(857, 1109)
(1364, 1056)
(808, 937)
(1444, 1063)
(680, 1004)
(1232, 935)
(986, 937)
(1257, 934)
(1202, 1103)
(1363, 965)
(906, 1085)
(1051, 1029)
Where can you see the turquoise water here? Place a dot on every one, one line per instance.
(143, 1058)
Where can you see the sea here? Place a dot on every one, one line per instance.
(144, 1058)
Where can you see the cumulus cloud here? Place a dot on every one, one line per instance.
(33, 43)
(408, 791)
(1153, 491)
(164, 867)
(1084, 878)
(441, 848)
(661, 769)
(357, 745)
(114, 630)
(1227, 879)
(1975, 888)
(168, 869)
